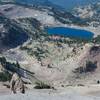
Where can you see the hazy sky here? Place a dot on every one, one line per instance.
(72, 3)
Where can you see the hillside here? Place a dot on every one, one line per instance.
(54, 61)
(10, 34)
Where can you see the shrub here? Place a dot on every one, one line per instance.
(96, 40)
(42, 85)
(12, 67)
(5, 76)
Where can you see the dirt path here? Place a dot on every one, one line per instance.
(69, 93)
(4, 90)
(47, 96)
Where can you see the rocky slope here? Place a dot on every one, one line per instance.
(54, 60)
(91, 13)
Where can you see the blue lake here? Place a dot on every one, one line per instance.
(70, 32)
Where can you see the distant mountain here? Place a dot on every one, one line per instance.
(29, 2)
(7, 0)
(69, 4)
(66, 4)
(43, 3)
(33, 1)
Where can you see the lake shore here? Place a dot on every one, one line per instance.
(94, 30)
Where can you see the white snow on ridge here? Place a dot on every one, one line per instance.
(22, 12)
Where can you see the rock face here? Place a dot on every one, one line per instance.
(16, 84)
(93, 55)
(89, 67)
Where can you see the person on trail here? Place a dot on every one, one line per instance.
(16, 84)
